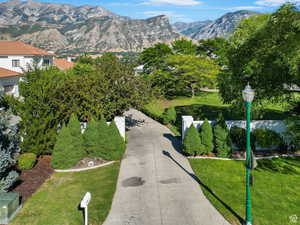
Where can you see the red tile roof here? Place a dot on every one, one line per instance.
(8, 73)
(20, 48)
(63, 64)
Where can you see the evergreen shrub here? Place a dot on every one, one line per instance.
(192, 142)
(207, 137)
(26, 161)
(169, 115)
(222, 139)
(68, 149)
(9, 147)
(117, 144)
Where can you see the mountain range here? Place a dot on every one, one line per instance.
(68, 29)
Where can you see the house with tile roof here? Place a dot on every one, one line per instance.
(17, 57)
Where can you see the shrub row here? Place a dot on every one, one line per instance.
(220, 140)
(98, 140)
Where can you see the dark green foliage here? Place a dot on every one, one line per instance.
(91, 89)
(207, 138)
(169, 115)
(26, 161)
(266, 138)
(104, 141)
(117, 145)
(192, 142)
(68, 149)
(9, 141)
(184, 46)
(265, 52)
(222, 139)
(97, 139)
(292, 135)
(238, 137)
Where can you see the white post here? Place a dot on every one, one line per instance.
(84, 204)
(187, 121)
(120, 122)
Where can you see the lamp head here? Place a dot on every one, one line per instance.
(248, 94)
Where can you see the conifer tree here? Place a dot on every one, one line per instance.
(207, 137)
(192, 143)
(222, 138)
(117, 144)
(68, 149)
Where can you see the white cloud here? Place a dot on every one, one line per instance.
(173, 2)
(172, 15)
(246, 8)
(273, 3)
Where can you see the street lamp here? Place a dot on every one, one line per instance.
(248, 96)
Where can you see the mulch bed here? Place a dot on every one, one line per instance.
(31, 180)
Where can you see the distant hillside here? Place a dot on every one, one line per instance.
(221, 27)
(66, 28)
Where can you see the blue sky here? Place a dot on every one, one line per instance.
(179, 10)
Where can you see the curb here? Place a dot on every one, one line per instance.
(84, 169)
(225, 159)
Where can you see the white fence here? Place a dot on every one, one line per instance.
(120, 123)
(276, 125)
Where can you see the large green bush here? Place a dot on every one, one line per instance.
(68, 149)
(222, 139)
(207, 137)
(192, 143)
(266, 138)
(169, 115)
(26, 161)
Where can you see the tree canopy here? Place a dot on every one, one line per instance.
(265, 51)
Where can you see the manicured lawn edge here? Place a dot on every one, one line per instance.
(84, 169)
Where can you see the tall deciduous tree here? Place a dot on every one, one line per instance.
(153, 58)
(265, 51)
(183, 46)
(192, 71)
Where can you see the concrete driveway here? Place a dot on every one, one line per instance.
(156, 184)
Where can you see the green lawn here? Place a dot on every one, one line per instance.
(209, 105)
(57, 201)
(275, 191)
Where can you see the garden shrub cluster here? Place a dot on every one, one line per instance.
(99, 140)
(208, 140)
(26, 161)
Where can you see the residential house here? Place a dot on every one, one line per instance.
(17, 57)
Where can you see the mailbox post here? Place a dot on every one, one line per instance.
(84, 204)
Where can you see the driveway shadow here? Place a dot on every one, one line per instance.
(176, 143)
(130, 122)
(242, 221)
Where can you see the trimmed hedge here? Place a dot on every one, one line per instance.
(117, 145)
(26, 161)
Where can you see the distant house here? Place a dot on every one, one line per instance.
(17, 57)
